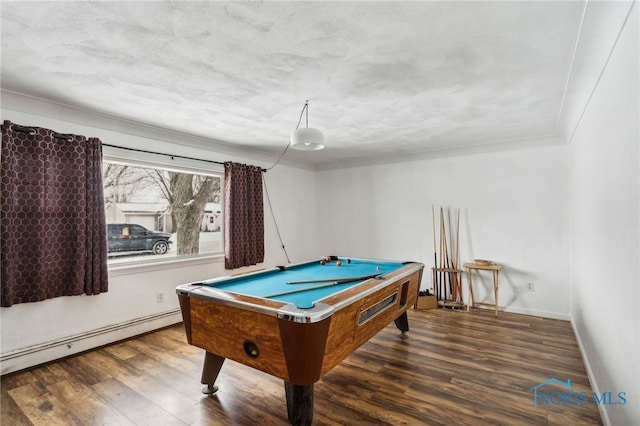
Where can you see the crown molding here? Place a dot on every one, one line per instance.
(215, 149)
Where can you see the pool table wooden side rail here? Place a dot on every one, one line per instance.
(346, 334)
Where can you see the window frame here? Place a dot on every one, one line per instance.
(174, 164)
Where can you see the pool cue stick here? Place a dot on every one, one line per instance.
(450, 260)
(443, 276)
(445, 255)
(443, 258)
(454, 275)
(458, 250)
(300, 290)
(342, 280)
(435, 253)
(456, 263)
(247, 272)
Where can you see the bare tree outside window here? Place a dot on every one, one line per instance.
(120, 182)
(182, 209)
(189, 194)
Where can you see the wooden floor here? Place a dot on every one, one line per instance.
(451, 368)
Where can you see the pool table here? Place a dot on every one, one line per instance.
(296, 322)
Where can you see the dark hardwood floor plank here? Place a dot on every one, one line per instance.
(121, 351)
(165, 375)
(50, 374)
(165, 356)
(41, 407)
(11, 381)
(560, 417)
(11, 413)
(134, 406)
(85, 404)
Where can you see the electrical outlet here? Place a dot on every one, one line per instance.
(530, 286)
(160, 297)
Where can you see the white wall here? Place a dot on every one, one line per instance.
(605, 241)
(33, 333)
(515, 211)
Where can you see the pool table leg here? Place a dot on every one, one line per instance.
(402, 322)
(299, 403)
(210, 370)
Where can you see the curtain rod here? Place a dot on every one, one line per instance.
(173, 156)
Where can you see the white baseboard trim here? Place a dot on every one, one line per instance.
(49, 351)
(592, 380)
(537, 313)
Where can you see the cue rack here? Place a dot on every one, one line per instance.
(446, 276)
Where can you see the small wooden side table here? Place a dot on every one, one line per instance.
(491, 267)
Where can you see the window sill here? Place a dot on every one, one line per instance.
(155, 265)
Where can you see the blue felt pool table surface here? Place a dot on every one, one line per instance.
(270, 284)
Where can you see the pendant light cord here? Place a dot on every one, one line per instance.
(264, 180)
(266, 191)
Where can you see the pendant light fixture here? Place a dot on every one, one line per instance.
(307, 138)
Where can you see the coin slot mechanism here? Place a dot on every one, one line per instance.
(373, 310)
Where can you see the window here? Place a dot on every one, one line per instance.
(160, 214)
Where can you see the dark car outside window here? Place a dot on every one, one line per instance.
(125, 238)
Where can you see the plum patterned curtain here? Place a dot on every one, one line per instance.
(52, 215)
(244, 215)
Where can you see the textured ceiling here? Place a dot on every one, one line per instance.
(384, 79)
